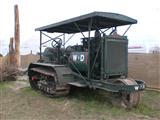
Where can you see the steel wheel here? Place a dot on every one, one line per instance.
(126, 100)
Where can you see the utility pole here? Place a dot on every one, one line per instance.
(11, 53)
(17, 36)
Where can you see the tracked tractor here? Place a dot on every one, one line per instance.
(99, 62)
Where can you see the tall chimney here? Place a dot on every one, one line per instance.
(17, 36)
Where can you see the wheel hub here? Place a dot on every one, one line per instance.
(123, 99)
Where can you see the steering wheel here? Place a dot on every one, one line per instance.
(59, 42)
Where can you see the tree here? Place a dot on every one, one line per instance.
(1, 55)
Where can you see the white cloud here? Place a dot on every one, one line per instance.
(36, 13)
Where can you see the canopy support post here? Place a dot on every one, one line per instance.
(40, 45)
(79, 29)
(89, 49)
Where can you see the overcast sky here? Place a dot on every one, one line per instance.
(37, 13)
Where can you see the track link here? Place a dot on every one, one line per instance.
(47, 82)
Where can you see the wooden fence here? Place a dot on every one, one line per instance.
(145, 67)
(27, 59)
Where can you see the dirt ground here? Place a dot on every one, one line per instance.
(19, 102)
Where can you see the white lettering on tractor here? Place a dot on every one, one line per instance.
(82, 58)
(74, 57)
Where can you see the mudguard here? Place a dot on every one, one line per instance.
(63, 72)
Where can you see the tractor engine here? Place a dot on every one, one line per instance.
(108, 57)
(108, 54)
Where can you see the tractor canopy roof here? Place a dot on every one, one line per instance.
(100, 20)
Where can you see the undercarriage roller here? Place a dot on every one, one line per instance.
(48, 84)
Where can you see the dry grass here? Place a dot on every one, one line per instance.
(23, 103)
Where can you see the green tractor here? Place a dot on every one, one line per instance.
(99, 62)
